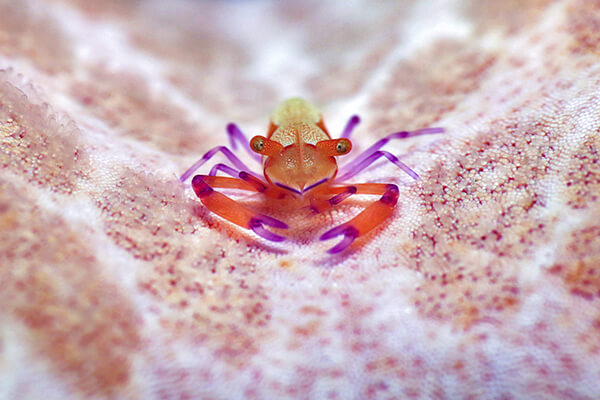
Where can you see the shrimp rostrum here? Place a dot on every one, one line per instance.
(299, 160)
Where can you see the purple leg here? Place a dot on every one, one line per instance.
(382, 142)
(356, 168)
(350, 125)
(224, 168)
(232, 157)
(236, 135)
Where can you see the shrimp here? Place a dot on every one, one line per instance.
(299, 160)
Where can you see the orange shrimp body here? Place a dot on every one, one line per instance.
(297, 126)
(299, 161)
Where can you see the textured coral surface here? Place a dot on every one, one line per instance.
(115, 282)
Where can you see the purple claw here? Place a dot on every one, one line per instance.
(338, 230)
(256, 225)
(262, 232)
(341, 246)
(350, 233)
(270, 221)
(200, 187)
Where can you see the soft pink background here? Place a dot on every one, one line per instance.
(115, 282)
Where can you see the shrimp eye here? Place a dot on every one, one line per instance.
(257, 143)
(264, 146)
(334, 147)
(343, 146)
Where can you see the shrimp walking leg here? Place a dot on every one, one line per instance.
(350, 125)
(345, 172)
(357, 168)
(237, 136)
(239, 164)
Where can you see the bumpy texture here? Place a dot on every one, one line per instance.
(115, 282)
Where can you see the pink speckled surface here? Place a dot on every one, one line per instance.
(115, 283)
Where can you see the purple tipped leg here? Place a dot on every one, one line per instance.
(356, 168)
(239, 164)
(350, 234)
(367, 157)
(256, 225)
(224, 168)
(350, 125)
(237, 136)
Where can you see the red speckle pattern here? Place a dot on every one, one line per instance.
(116, 283)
